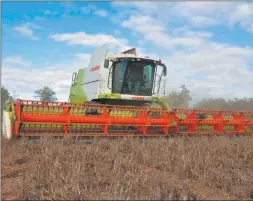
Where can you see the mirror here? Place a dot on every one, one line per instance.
(106, 63)
(109, 82)
(74, 79)
(165, 71)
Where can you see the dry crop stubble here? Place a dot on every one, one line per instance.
(218, 167)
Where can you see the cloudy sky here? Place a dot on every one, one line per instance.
(206, 46)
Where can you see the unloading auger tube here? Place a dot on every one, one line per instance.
(39, 118)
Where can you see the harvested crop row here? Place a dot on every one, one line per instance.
(218, 167)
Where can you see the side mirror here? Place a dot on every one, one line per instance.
(74, 79)
(165, 70)
(106, 63)
(109, 82)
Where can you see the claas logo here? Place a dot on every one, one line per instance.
(94, 68)
(137, 98)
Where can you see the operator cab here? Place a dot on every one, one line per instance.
(141, 76)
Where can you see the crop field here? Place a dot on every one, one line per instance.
(218, 167)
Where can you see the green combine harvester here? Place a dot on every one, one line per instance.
(118, 94)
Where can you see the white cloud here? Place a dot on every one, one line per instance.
(224, 71)
(203, 14)
(200, 8)
(90, 8)
(243, 15)
(101, 13)
(187, 32)
(27, 30)
(82, 38)
(208, 69)
(196, 14)
(200, 21)
(242, 12)
(83, 56)
(57, 76)
(155, 32)
(143, 24)
(17, 60)
(251, 29)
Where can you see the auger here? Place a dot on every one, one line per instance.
(119, 94)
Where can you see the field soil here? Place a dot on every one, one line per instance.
(219, 167)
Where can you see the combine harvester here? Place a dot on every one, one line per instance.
(119, 94)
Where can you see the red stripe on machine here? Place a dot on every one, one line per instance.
(137, 98)
(95, 68)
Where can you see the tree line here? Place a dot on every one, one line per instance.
(174, 99)
(183, 98)
(45, 93)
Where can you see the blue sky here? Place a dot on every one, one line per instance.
(206, 45)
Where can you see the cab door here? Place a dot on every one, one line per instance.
(147, 76)
(157, 79)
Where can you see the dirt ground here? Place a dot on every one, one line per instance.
(176, 168)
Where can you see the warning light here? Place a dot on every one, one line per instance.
(160, 60)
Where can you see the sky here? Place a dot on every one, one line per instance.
(208, 46)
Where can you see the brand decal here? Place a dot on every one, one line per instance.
(137, 98)
(95, 68)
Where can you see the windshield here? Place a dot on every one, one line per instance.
(133, 77)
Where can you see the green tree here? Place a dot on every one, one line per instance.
(45, 94)
(185, 96)
(14, 95)
(179, 99)
(4, 97)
